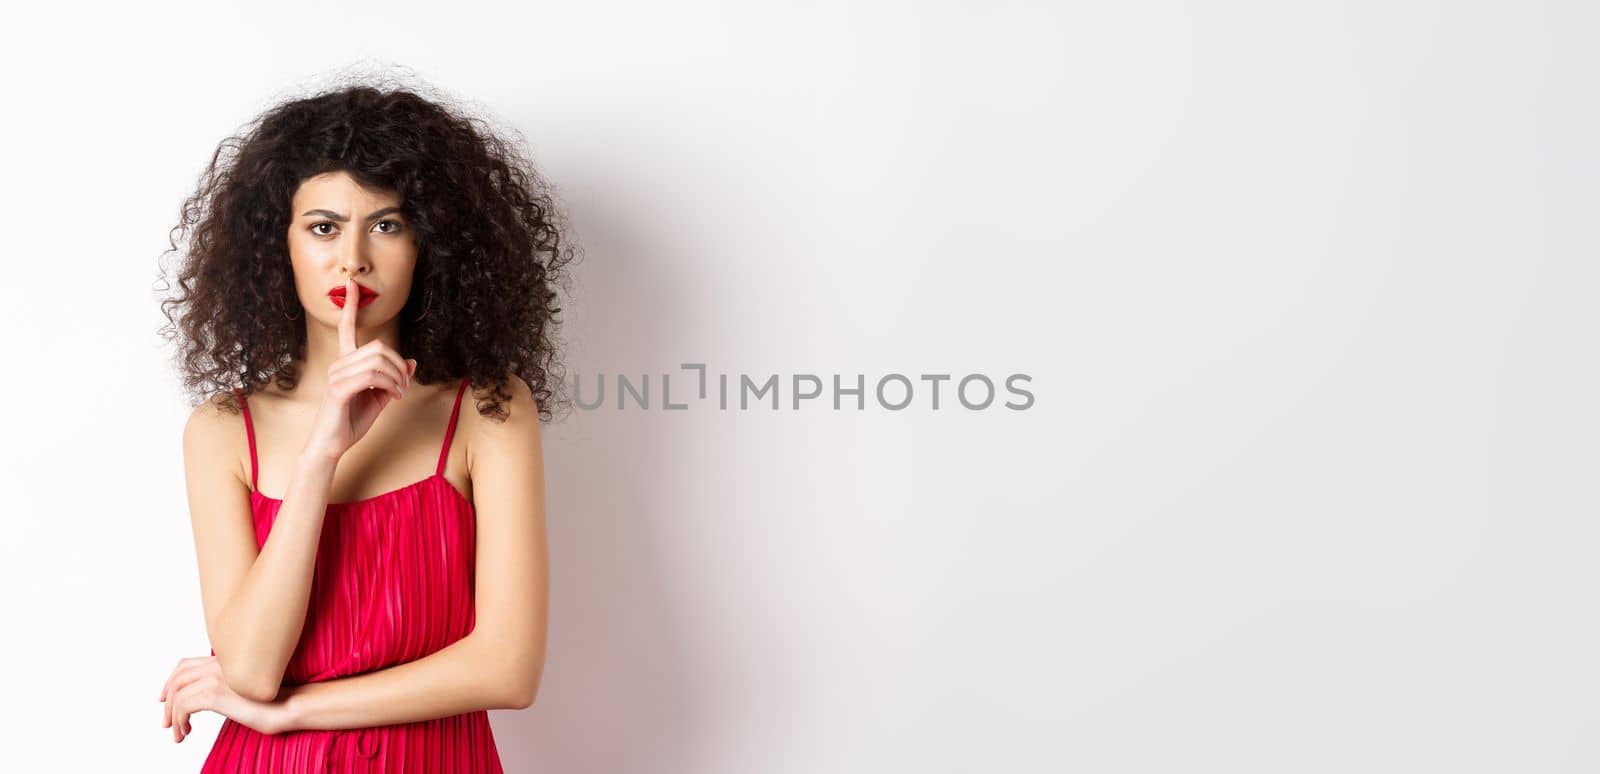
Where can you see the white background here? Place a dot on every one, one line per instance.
(1305, 290)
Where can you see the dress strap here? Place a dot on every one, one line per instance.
(249, 432)
(450, 430)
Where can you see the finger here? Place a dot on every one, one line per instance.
(365, 354)
(187, 703)
(347, 317)
(166, 687)
(186, 675)
(357, 381)
(166, 694)
(361, 370)
(388, 362)
(175, 686)
(368, 365)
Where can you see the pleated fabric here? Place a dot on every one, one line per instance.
(393, 582)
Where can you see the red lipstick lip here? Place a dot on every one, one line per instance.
(367, 296)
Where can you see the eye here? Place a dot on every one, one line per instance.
(394, 223)
(320, 233)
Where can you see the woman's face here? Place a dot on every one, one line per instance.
(337, 229)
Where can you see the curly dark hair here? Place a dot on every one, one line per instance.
(491, 246)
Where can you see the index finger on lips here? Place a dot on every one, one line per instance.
(347, 317)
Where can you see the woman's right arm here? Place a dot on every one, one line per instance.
(255, 602)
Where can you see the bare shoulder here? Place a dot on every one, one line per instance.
(521, 407)
(211, 421)
(516, 426)
(212, 435)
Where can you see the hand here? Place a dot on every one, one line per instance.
(196, 684)
(361, 381)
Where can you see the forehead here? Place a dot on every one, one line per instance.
(339, 191)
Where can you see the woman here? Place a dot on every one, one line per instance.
(358, 262)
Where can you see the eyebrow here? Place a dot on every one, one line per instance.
(331, 215)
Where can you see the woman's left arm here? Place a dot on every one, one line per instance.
(500, 663)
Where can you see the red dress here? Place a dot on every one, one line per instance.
(393, 582)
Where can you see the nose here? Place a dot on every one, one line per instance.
(353, 258)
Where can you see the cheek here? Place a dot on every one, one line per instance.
(402, 289)
(298, 264)
(399, 266)
(301, 253)
(306, 275)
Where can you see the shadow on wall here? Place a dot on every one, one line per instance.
(617, 693)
